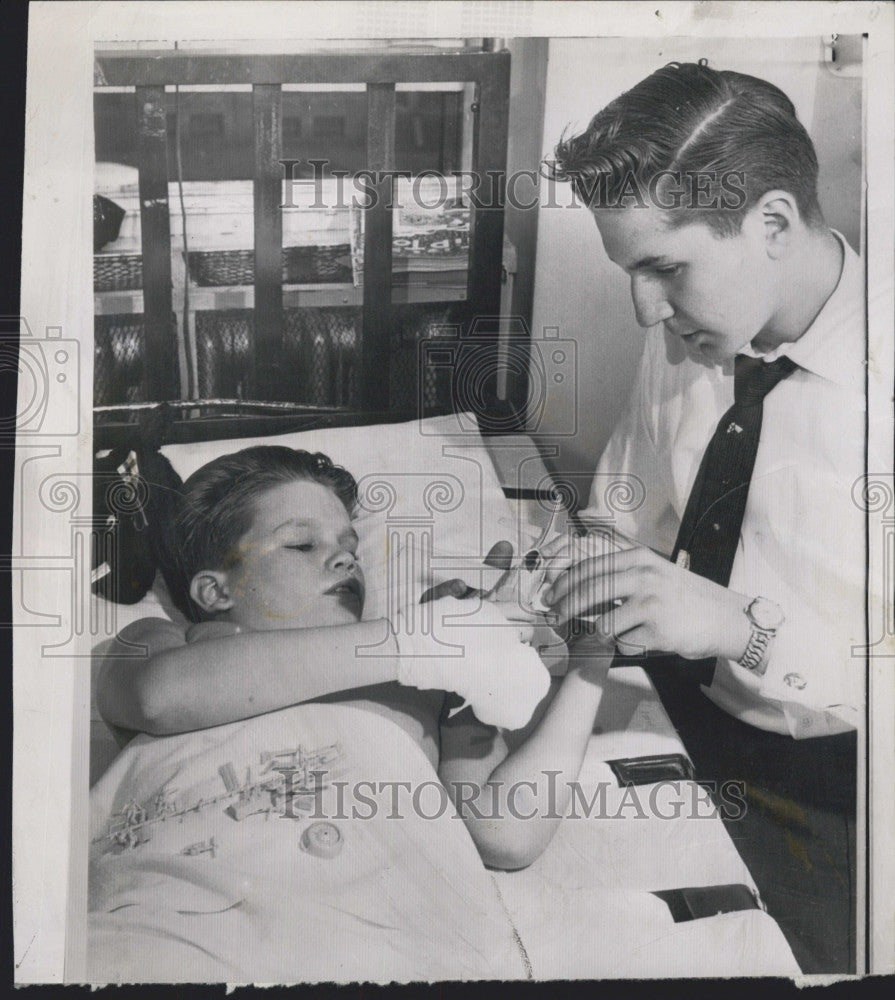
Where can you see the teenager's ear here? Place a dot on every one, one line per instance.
(779, 217)
(210, 589)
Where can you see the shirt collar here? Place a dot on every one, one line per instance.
(833, 346)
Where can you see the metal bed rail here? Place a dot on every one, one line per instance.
(150, 71)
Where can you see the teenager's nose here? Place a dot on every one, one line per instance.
(651, 305)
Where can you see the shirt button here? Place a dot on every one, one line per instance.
(796, 681)
(322, 840)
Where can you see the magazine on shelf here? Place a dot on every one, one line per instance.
(430, 245)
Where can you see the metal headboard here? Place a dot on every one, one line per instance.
(221, 419)
(150, 71)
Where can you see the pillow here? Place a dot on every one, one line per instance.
(425, 485)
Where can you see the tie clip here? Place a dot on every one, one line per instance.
(683, 559)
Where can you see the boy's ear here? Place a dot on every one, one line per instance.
(779, 215)
(210, 589)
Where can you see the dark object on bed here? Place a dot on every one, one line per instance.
(107, 218)
(649, 770)
(707, 901)
(135, 490)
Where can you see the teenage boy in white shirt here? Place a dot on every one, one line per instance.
(703, 185)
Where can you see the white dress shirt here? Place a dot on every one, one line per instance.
(802, 543)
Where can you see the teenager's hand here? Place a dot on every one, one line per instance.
(564, 551)
(470, 647)
(661, 606)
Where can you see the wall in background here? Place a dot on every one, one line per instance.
(578, 292)
(528, 78)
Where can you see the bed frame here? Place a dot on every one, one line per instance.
(499, 401)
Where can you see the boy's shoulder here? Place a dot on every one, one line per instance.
(160, 633)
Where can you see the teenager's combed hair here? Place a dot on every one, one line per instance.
(688, 117)
(216, 505)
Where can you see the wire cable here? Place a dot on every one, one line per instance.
(192, 386)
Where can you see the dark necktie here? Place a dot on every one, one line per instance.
(710, 529)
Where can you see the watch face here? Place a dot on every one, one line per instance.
(766, 614)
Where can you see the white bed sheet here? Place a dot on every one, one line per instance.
(217, 883)
(585, 909)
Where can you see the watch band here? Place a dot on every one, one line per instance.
(754, 657)
(765, 618)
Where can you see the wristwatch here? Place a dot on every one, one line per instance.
(765, 617)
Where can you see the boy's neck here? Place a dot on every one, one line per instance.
(808, 279)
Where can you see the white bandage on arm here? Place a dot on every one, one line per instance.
(478, 655)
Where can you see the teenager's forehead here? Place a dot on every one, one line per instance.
(638, 237)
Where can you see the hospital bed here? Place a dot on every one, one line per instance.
(646, 881)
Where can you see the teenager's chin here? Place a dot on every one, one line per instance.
(704, 352)
(710, 351)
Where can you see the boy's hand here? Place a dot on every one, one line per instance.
(470, 647)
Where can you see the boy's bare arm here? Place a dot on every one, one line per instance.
(215, 674)
(180, 686)
(513, 788)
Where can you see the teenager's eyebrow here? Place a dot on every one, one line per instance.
(643, 263)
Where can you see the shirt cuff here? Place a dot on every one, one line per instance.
(812, 673)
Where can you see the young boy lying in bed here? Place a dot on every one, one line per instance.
(265, 539)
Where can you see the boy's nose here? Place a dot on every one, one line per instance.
(343, 559)
(650, 303)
